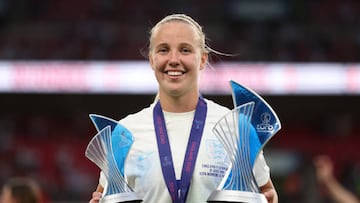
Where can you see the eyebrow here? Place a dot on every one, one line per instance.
(181, 44)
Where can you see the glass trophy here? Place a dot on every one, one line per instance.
(243, 132)
(108, 149)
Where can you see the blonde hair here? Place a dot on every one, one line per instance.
(182, 18)
(204, 47)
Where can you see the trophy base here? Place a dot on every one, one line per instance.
(236, 196)
(126, 197)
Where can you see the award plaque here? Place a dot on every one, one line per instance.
(243, 132)
(108, 149)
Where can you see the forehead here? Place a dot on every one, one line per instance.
(175, 29)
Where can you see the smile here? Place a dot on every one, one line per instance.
(174, 73)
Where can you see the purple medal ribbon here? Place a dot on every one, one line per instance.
(178, 189)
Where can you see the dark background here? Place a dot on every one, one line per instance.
(44, 136)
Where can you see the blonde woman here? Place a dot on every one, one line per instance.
(175, 156)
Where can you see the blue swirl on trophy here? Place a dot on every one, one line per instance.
(265, 120)
(108, 150)
(243, 132)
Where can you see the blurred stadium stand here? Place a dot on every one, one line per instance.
(261, 30)
(44, 136)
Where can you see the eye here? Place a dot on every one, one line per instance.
(163, 49)
(185, 50)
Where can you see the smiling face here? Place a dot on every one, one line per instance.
(176, 58)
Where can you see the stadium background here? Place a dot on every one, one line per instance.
(44, 135)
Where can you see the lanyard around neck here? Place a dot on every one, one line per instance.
(178, 189)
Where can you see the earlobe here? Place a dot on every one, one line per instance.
(151, 61)
(204, 59)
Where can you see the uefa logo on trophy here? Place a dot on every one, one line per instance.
(243, 132)
(108, 149)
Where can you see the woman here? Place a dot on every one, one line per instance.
(177, 54)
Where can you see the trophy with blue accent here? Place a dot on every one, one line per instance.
(243, 132)
(108, 149)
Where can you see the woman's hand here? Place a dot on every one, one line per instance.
(270, 196)
(269, 191)
(96, 196)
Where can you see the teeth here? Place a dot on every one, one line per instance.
(174, 73)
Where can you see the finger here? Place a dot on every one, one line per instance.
(95, 197)
(269, 195)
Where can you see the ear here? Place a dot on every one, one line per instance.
(204, 59)
(151, 60)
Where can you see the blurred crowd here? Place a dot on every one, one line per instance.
(49, 148)
(276, 30)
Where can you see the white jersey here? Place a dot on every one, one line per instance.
(143, 169)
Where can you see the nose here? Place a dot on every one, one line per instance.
(174, 59)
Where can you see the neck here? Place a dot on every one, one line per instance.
(179, 104)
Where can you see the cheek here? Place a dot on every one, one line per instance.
(156, 62)
(197, 61)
